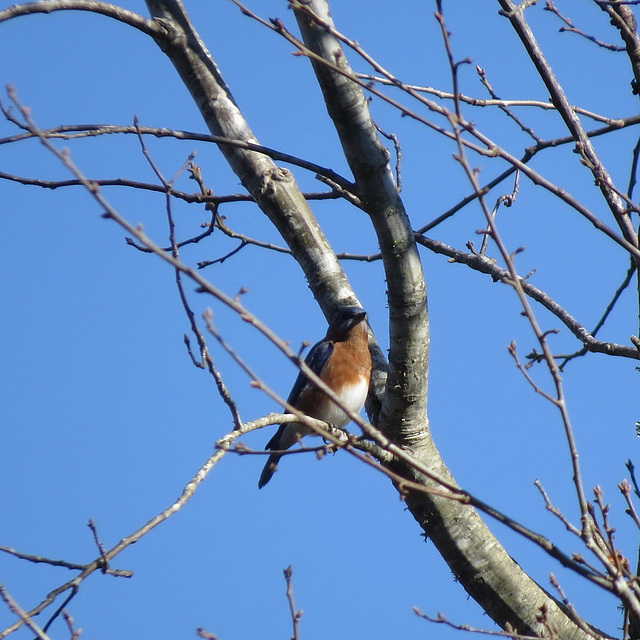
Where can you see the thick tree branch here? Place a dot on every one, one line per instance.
(273, 188)
(477, 559)
(403, 412)
(623, 19)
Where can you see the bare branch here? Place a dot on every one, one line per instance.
(70, 132)
(480, 102)
(623, 18)
(556, 512)
(452, 491)
(101, 549)
(130, 18)
(68, 618)
(515, 14)
(573, 613)
(570, 27)
(507, 199)
(441, 619)
(273, 188)
(486, 148)
(122, 573)
(488, 266)
(485, 81)
(25, 618)
(295, 614)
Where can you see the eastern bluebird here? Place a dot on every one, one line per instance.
(343, 362)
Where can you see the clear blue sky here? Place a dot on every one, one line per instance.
(103, 415)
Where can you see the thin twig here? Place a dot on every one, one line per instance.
(516, 282)
(206, 357)
(625, 489)
(580, 622)
(618, 584)
(68, 618)
(556, 512)
(442, 619)
(66, 132)
(101, 549)
(60, 563)
(480, 102)
(507, 199)
(616, 296)
(611, 195)
(485, 81)
(484, 264)
(25, 618)
(550, 6)
(398, 149)
(73, 591)
(633, 174)
(149, 27)
(295, 614)
(191, 198)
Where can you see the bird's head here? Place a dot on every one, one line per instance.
(346, 319)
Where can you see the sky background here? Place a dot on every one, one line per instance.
(103, 415)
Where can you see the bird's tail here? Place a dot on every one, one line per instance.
(269, 470)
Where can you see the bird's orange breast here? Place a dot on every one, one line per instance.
(347, 374)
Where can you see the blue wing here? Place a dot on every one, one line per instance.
(316, 360)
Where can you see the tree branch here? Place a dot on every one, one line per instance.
(515, 14)
(274, 189)
(149, 27)
(69, 132)
(483, 264)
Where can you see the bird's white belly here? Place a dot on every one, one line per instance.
(353, 398)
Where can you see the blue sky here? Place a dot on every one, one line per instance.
(103, 415)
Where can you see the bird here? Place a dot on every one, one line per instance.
(343, 362)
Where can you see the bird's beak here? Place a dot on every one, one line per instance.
(360, 316)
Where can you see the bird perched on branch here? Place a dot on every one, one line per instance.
(343, 362)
